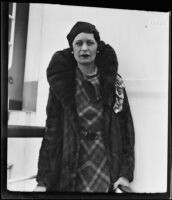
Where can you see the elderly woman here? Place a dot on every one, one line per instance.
(88, 145)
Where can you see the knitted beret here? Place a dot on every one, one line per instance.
(82, 27)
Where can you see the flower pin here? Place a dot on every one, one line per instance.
(119, 91)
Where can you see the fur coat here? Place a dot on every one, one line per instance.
(59, 151)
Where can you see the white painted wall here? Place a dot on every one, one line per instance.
(140, 40)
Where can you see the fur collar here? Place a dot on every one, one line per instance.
(61, 74)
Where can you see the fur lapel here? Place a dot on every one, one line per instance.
(61, 74)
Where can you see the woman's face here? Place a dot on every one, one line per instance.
(85, 48)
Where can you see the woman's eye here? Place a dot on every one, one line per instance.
(90, 43)
(78, 43)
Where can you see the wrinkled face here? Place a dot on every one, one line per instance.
(85, 48)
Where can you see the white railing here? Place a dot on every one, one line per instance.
(14, 180)
(22, 184)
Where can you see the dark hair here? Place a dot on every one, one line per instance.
(82, 27)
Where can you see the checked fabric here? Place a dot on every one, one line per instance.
(92, 171)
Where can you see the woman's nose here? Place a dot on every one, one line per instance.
(84, 47)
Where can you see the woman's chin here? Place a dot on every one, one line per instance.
(85, 62)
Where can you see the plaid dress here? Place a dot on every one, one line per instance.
(92, 172)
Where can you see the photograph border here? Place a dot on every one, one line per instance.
(5, 194)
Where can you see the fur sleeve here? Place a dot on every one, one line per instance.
(127, 130)
(50, 151)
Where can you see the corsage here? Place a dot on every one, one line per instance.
(119, 94)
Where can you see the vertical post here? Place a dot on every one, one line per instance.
(33, 57)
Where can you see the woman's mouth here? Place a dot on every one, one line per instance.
(85, 56)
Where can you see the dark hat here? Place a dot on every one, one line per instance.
(82, 27)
